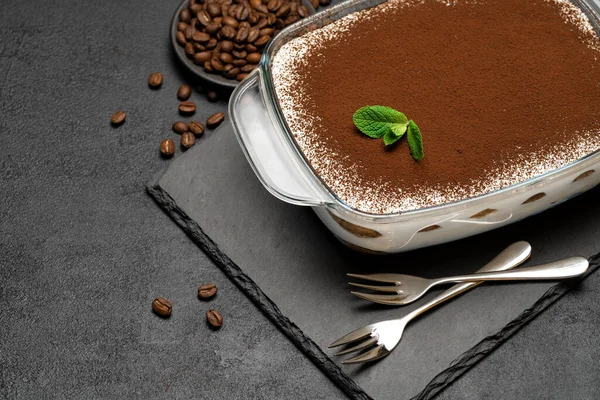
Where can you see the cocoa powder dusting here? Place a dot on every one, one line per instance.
(502, 90)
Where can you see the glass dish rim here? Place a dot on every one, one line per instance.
(591, 8)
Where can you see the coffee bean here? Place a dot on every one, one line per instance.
(242, 35)
(167, 148)
(216, 64)
(262, 23)
(184, 15)
(290, 19)
(225, 58)
(261, 41)
(303, 11)
(212, 28)
(187, 107)
(118, 118)
(315, 4)
(201, 37)
(202, 57)
(187, 140)
(189, 32)
(253, 34)
(163, 307)
(196, 127)
(241, 77)
(189, 50)
(214, 318)
(198, 47)
(227, 32)
(232, 73)
(273, 5)
(215, 120)
(180, 127)
(212, 96)
(267, 31)
(271, 18)
(239, 54)
(203, 18)
(283, 10)
(184, 92)
(239, 63)
(230, 21)
(195, 8)
(207, 291)
(181, 26)
(212, 43)
(253, 17)
(242, 13)
(226, 46)
(208, 68)
(239, 46)
(254, 3)
(155, 80)
(213, 9)
(251, 48)
(253, 58)
(248, 67)
(180, 38)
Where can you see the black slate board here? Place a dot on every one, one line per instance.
(289, 264)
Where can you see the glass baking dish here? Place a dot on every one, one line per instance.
(283, 170)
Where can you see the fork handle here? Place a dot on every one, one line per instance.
(566, 268)
(513, 256)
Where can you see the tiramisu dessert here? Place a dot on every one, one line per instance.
(501, 90)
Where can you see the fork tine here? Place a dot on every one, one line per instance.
(387, 299)
(362, 345)
(387, 289)
(370, 355)
(389, 278)
(353, 336)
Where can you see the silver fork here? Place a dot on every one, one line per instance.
(379, 339)
(409, 288)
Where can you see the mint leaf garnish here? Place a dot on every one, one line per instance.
(382, 121)
(415, 141)
(376, 121)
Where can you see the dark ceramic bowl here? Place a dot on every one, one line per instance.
(197, 70)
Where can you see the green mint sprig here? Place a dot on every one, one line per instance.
(389, 124)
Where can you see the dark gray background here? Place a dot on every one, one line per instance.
(84, 249)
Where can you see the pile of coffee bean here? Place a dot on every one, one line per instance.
(163, 307)
(228, 37)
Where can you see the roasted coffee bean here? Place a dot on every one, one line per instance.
(217, 21)
(212, 28)
(253, 17)
(202, 57)
(253, 58)
(248, 67)
(191, 3)
(195, 8)
(271, 18)
(203, 18)
(253, 34)
(245, 24)
(262, 23)
(212, 96)
(294, 8)
(239, 46)
(250, 48)
(239, 54)
(198, 47)
(194, 23)
(196, 127)
(227, 68)
(241, 77)
(213, 9)
(207, 291)
(239, 63)
(227, 32)
(118, 118)
(180, 127)
(189, 32)
(267, 31)
(208, 68)
(303, 11)
(254, 3)
(184, 92)
(226, 58)
(283, 11)
(261, 41)
(232, 73)
(187, 140)
(216, 64)
(212, 43)
(189, 50)
(163, 307)
(324, 2)
(201, 37)
(214, 318)
(242, 35)
(181, 26)
(184, 15)
(180, 38)
(187, 107)
(226, 46)
(315, 4)
(167, 148)
(273, 5)
(215, 120)
(290, 19)
(155, 80)
(230, 21)
(242, 13)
